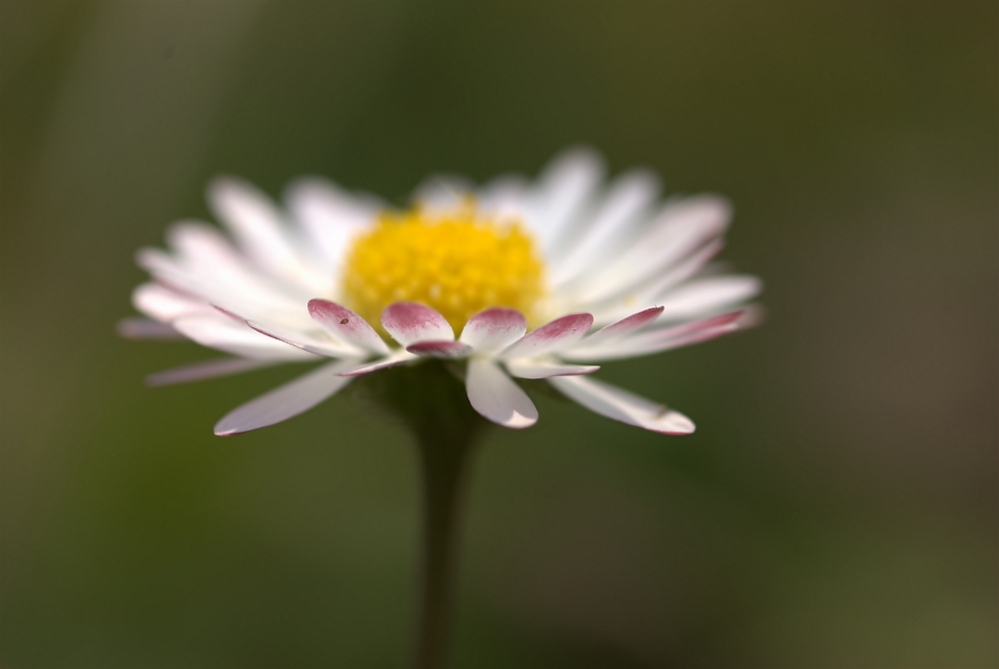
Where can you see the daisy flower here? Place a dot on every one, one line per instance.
(539, 279)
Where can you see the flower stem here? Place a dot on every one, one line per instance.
(443, 464)
(433, 404)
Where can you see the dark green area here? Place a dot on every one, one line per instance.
(839, 504)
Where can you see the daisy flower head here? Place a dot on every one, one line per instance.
(515, 279)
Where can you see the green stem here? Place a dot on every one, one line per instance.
(443, 464)
(433, 404)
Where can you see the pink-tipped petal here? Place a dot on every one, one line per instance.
(284, 402)
(530, 369)
(662, 339)
(494, 395)
(411, 322)
(615, 331)
(558, 334)
(209, 369)
(344, 325)
(621, 405)
(448, 349)
(494, 329)
(393, 359)
(143, 328)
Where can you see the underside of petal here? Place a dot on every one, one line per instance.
(496, 397)
(285, 402)
(621, 405)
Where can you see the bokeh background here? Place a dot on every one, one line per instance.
(838, 505)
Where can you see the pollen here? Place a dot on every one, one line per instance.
(457, 262)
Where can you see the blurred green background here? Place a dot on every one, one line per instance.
(838, 506)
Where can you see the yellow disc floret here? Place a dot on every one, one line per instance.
(456, 262)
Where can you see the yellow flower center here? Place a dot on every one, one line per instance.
(456, 262)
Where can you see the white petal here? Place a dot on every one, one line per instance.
(442, 192)
(678, 231)
(494, 395)
(621, 405)
(564, 188)
(412, 322)
(330, 215)
(344, 325)
(622, 210)
(656, 290)
(260, 229)
(534, 369)
(558, 334)
(225, 334)
(163, 304)
(494, 329)
(700, 297)
(505, 196)
(249, 293)
(209, 369)
(285, 402)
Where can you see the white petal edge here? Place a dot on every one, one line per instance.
(621, 405)
(496, 397)
(284, 402)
